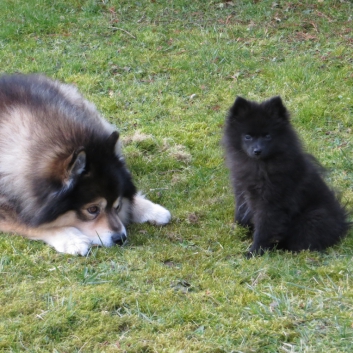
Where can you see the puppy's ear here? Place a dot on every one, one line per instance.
(276, 107)
(240, 107)
(76, 166)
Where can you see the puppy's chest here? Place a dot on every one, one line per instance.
(259, 183)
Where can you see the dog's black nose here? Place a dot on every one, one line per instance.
(119, 238)
(257, 151)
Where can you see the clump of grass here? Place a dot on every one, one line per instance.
(165, 73)
(142, 141)
(137, 137)
(176, 151)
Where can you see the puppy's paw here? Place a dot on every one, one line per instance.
(255, 251)
(69, 241)
(249, 255)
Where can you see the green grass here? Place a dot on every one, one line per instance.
(166, 72)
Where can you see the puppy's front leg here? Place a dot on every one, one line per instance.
(243, 213)
(144, 210)
(260, 244)
(270, 228)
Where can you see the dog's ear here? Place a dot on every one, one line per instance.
(113, 143)
(76, 166)
(276, 107)
(240, 107)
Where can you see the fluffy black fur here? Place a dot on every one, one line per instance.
(279, 190)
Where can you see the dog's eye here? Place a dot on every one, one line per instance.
(93, 210)
(247, 137)
(117, 204)
(268, 137)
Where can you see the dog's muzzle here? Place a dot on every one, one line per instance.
(119, 238)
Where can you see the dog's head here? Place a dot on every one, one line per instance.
(91, 190)
(261, 130)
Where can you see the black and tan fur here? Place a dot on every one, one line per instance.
(63, 179)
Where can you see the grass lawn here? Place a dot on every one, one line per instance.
(166, 72)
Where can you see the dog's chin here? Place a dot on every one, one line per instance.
(101, 240)
(107, 238)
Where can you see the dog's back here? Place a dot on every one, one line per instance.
(63, 179)
(41, 123)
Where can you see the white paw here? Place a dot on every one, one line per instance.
(78, 246)
(159, 215)
(69, 241)
(144, 210)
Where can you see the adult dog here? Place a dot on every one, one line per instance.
(63, 179)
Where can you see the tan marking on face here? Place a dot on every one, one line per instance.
(117, 203)
(100, 203)
(99, 229)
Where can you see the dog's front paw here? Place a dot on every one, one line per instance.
(77, 246)
(144, 210)
(69, 241)
(255, 251)
(160, 215)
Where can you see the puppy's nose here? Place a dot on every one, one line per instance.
(119, 238)
(257, 151)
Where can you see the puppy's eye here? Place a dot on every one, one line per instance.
(268, 137)
(247, 137)
(93, 210)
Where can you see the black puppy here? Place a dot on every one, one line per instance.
(279, 191)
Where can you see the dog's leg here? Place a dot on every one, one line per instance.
(68, 240)
(143, 210)
(271, 226)
(259, 246)
(243, 213)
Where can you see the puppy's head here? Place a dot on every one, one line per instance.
(258, 129)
